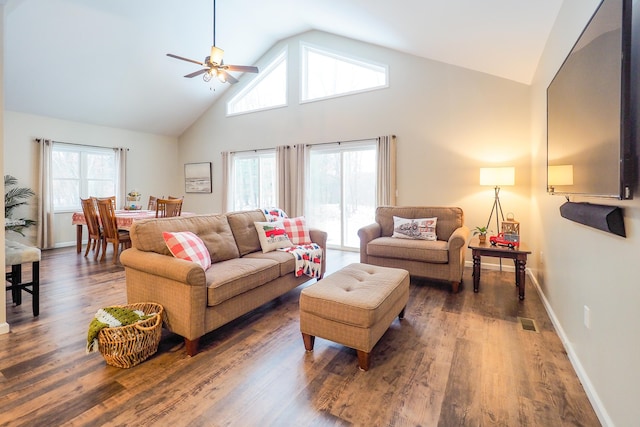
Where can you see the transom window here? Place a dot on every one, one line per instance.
(267, 90)
(79, 172)
(327, 74)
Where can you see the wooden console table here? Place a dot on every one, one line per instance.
(517, 254)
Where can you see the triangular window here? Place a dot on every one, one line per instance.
(327, 74)
(267, 90)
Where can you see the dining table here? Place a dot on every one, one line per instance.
(124, 219)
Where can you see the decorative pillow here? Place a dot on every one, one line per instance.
(419, 228)
(272, 236)
(297, 230)
(186, 245)
(274, 214)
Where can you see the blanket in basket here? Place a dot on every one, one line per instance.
(111, 317)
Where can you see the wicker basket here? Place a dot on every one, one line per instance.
(126, 346)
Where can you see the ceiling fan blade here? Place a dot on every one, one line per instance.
(185, 59)
(197, 73)
(241, 68)
(228, 77)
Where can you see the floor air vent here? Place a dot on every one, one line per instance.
(528, 324)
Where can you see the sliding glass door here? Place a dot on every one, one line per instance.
(341, 190)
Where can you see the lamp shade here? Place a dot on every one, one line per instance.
(560, 175)
(496, 177)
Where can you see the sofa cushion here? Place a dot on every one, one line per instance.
(213, 230)
(286, 261)
(244, 231)
(233, 277)
(449, 218)
(435, 251)
(186, 245)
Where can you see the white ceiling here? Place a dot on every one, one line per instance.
(103, 61)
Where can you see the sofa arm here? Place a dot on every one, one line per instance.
(367, 234)
(458, 239)
(161, 265)
(320, 237)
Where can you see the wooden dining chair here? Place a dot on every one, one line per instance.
(168, 207)
(152, 203)
(93, 225)
(110, 232)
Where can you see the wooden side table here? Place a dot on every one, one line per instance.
(517, 254)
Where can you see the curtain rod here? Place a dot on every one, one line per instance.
(345, 142)
(255, 150)
(38, 140)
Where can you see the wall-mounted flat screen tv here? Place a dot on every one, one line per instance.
(592, 108)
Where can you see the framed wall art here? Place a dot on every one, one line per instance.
(197, 177)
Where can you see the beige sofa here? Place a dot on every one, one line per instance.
(196, 302)
(442, 259)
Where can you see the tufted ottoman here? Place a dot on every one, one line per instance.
(354, 307)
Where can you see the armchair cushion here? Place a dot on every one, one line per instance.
(435, 251)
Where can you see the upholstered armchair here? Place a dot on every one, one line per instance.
(438, 256)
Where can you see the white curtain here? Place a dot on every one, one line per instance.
(227, 158)
(121, 175)
(283, 178)
(298, 171)
(386, 185)
(45, 239)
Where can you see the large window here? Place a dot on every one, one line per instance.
(267, 90)
(326, 74)
(80, 172)
(341, 190)
(254, 180)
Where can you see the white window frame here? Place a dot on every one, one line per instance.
(83, 179)
(252, 155)
(281, 57)
(341, 149)
(341, 56)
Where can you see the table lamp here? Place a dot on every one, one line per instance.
(497, 177)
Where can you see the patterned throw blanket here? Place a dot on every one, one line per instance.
(111, 317)
(308, 259)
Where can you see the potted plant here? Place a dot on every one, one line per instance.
(15, 197)
(481, 232)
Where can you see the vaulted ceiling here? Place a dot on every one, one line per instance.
(104, 61)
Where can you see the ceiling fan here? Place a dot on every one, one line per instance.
(215, 66)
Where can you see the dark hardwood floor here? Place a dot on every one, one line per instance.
(455, 360)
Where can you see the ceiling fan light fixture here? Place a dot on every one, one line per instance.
(221, 76)
(207, 76)
(216, 55)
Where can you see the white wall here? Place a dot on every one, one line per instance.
(4, 326)
(449, 122)
(583, 266)
(151, 169)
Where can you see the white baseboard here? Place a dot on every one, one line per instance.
(592, 395)
(4, 328)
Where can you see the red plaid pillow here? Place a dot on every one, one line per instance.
(186, 245)
(297, 230)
